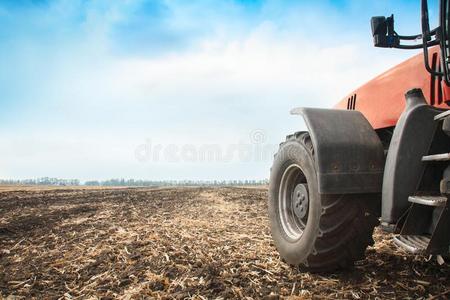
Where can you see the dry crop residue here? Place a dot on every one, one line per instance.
(177, 243)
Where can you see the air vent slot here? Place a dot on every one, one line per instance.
(351, 102)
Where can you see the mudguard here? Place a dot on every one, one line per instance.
(411, 140)
(348, 153)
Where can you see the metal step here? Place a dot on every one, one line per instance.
(442, 115)
(428, 200)
(416, 244)
(437, 157)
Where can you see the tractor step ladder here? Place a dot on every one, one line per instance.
(410, 238)
(428, 200)
(415, 244)
(442, 115)
(426, 228)
(437, 157)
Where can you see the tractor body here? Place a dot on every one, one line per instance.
(382, 100)
(380, 156)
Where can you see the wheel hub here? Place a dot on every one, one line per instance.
(300, 201)
(293, 202)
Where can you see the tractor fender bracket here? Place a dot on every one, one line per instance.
(348, 153)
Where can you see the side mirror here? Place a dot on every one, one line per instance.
(383, 32)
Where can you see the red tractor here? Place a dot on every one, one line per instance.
(373, 158)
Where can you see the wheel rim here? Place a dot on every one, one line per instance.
(293, 202)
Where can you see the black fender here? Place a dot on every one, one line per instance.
(348, 153)
(411, 140)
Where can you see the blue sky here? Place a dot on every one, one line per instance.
(138, 89)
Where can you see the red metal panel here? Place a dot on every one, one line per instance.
(382, 99)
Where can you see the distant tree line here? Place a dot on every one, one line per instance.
(130, 182)
(134, 182)
(40, 181)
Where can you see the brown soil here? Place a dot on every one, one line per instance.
(194, 243)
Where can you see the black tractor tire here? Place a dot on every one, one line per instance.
(333, 231)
